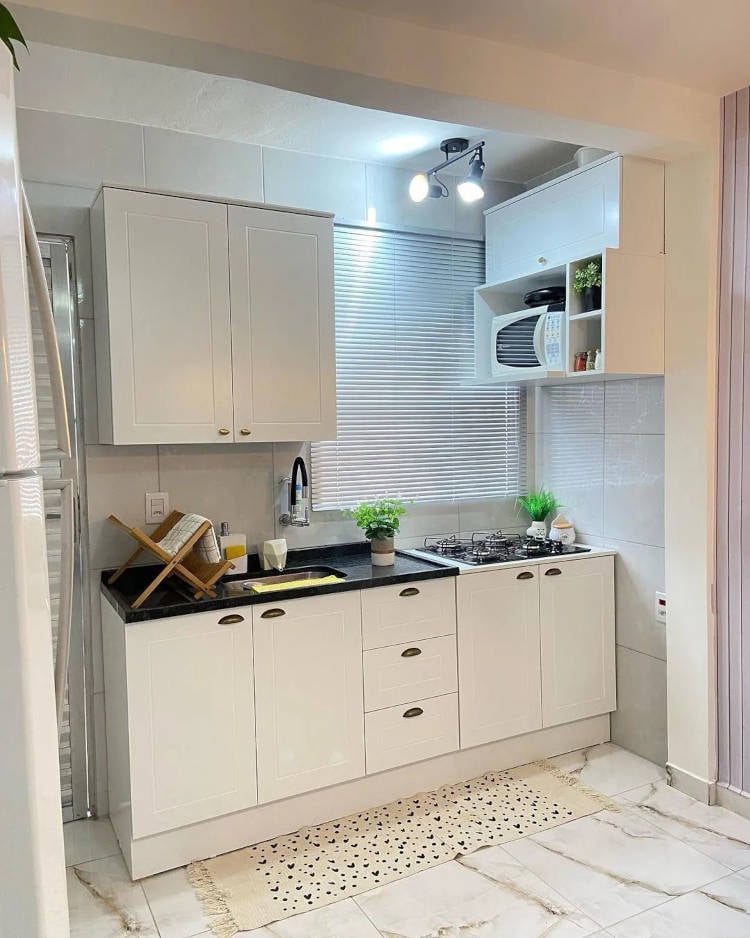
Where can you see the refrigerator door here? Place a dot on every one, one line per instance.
(33, 899)
(19, 443)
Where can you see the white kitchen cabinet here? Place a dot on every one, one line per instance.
(214, 322)
(420, 730)
(308, 694)
(161, 302)
(392, 615)
(283, 344)
(399, 673)
(191, 718)
(498, 654)
(576, 603)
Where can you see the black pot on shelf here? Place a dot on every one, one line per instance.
(592, 299)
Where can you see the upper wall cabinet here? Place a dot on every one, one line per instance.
(214, 323)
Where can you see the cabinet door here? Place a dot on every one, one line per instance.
(283, 342)
(577, 607)
(570, 218)
(163, 330)
(308, 694)
(498, 655)
(191, 718)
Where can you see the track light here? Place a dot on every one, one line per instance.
(470, 189)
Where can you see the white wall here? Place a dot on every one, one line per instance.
(600, 449)
(64, 160)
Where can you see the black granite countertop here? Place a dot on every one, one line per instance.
(174, 598)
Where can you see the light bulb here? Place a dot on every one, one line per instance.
(470, 190)
(419, 187)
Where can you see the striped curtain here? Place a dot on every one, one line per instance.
(733, 456)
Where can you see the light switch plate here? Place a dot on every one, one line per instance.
(660, 607)
(157, 507)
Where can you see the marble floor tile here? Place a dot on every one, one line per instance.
(174, 905)
(495, 898)
(609, 769)
(719, 910)
(614, 864)
(720, 834)
(89, 840)
(104, 903)
(340, 920)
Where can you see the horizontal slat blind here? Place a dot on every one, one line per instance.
(409, 423)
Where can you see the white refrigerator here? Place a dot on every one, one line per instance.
(33, 901)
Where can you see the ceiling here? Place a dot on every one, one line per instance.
(54, 78)
(686, 42)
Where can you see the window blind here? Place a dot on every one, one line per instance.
(410, 423)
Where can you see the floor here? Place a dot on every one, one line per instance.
(661, 865)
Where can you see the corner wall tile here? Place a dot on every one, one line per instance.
(635, 406)
(319, 183)
(197, 165)
(572, 467)
(640, 721)
(634, 488)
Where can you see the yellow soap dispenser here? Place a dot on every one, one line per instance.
(234, 548)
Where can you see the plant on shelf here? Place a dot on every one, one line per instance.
(588, 283)
(537, 506)
(380, 520)
(10, 33)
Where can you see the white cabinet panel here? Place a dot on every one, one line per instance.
(282, 325)
(498, 654)
(400, 673)
(308, 692)
(392, 615)
(578, 639)
(164, 358)
(410, 733)
(191, 718)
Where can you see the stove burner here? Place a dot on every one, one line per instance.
(495, 547)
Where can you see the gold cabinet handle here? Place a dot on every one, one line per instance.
(409, 591)
(231, 620)
(413, 712)
(224, 431)
(272, 614)
(525, 575)
(553, 571)
(245, 431)
(411, 652)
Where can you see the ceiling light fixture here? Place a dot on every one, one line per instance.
(470, 189)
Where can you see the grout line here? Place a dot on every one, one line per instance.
(637, 651)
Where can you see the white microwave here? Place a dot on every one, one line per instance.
(527, 343)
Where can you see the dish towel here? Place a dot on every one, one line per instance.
(295, 584)
(207, 547)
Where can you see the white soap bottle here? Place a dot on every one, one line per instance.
(233, 547)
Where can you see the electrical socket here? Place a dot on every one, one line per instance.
(660, 607)
(157, 507)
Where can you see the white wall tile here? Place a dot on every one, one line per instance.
(79, 151)
(634, 488)
(490, 514)
(320, 183)
(118, 478)
(200, 165)
(635, 406)
(640, 721)
(65, 210)
(388, 195)
(224, 483)
(572, 467)
(577, 408)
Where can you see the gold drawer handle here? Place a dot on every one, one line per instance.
(409, 591)
(411, 652)
(272, 614)
(553, 571)
(526, 575)
(224, 431)
(245, 432)
(413, 712)
(231, 620)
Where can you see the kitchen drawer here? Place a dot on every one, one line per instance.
(408, 612)
(400, 673)
(410, 733)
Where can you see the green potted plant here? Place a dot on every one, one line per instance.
(380, 520)
(587, 282)
(10, 33)
(538, 505)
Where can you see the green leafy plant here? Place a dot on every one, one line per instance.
(588, 276)
(10, 33)
(379, 519)
(538, 504)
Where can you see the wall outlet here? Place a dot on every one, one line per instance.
(157, 507)
(660, 607)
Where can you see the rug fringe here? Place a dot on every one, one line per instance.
(572, 782)
(213, 900)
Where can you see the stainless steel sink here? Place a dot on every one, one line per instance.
(293, 576)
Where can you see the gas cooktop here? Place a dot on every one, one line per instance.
(496, 547)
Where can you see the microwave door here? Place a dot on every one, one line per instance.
(514, 344)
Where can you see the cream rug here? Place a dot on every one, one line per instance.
(319, 865)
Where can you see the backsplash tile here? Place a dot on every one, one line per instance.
(572, 467)
(635, 406)
(640, 721)
(578, 408)
(634, 488)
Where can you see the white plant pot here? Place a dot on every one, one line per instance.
(383, 554)
(537, 529)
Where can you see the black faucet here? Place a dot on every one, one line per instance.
(296, 515)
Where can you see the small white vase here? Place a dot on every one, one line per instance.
(383, 554)
(537, 529)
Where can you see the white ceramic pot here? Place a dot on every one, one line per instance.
(537, 529)
(562, 530)
(383, 554)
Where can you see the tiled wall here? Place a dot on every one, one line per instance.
(65, 159)
(600, 449)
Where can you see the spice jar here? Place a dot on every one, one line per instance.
(590, 360)
(579, 361)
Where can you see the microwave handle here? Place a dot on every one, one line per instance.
(539, 340)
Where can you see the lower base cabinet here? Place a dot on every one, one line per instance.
(411, 732)
(308, 694)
